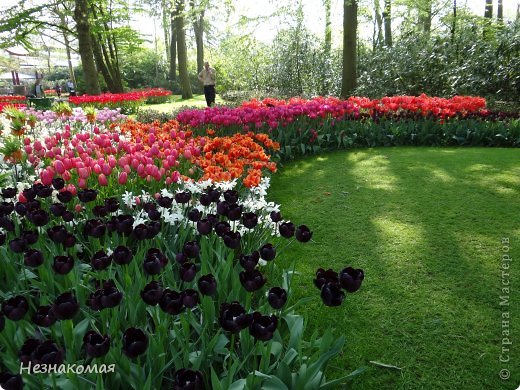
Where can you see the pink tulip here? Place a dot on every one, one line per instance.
(123, 176)
(66, 175)
(82, 183)
(59, 166)
(102, 180)
(83, 173)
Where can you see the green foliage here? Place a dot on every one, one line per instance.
(144, 68)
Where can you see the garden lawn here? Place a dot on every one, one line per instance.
(177, 102)
(426, 225)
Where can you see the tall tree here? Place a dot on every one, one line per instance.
(173, 48)
(488, 13)
(198, 29)
(182, 52)
(500, 11)
(425, 16)
(387, 17)
(328, 29)
(378, 26)
(349, 74)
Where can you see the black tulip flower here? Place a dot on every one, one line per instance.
(152, 293)
(6, 208)
(70, 241)
(96, 345)
(100, 260)
(135, 342)
(194, 215)
(250, 220)
(276, 216)
(58, 183)
(28, 350)
(181, 258)
(87, 195)
(15, 308)
(190, 298)
(122, 255)
(10, 381)
(33, 205)
(48, 353)
(249, 262)
(164, 201)
(140, 232)
(205, 199)
(263, 327)
(44, 316)
(99, 211)
(231, 196)
(44, 191)
(207, 284)
(38, 217)
(182, 197)
(153, 228)
(287, 229)
(95, 228)
(303, 234)
(57, 234)
(153, 214)
(188, 272)
(214, 194)
(20, 208)
(232, 239)
(64, 196)
(323, 277)
(30, 236)
(171, 302)
(94, 300)
(66, 306)
(111, 205)
(124, 224)
(2, 238)
(8, 193)
(234, 212)
(185, 379)
(57, 209)
(63, 264)
(29, 193)
(221, 228)
(204, 226)
(223, 208)
(233, 317)
(191, 249)
(110, 296)
(154, 261)
(252, 280)
(33, 258)
(277, 297)
(6, 223)
(268, 252)
(213, 219)
(18, 245)
(350, 279)
(68, 216)
(332, 294)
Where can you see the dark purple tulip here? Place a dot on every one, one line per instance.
(38, 217)
(58, 183)
(29, 193)
(63, 264)
(20, 208)
(44, 191)
(207, 284)
(250, 220)
(181, 258)
(154, 214)
(64, 196)
(350, 279)
(135, 342)
(221, 228)
(111, 205)
(277, 297)
(95, 344)
(268, 252)
(233, 317)
(33, 205)
(94, 300)
(8, 193)
(110, 296)
(182, 197)
(191, 249)
(213, 219)
(15, 308)
(66, 306)
(152, 293)
(188, 272)
(185, 379)
(10, 381)
(140, 232)
(276, 216)
(205, 199)
(95, 228)
(122, 255)
(154, 261)
(153, 229)
(68, 216)
(28, 350)
(70, 240)
(287, 229)
(124, 224)
(164, 201)
(249, 262)
(214, 194)
(171, 302)
(87, 195)
(234, 212)
(57, 234)
(6, 208)
(190, 298)
(7, 223)
(204, 226)
(332, 294)
(58, 209)
(30, 236)
(48, 352)
(263, 327)
(223, 208)
(194, 215)
(100, 260)
(232, 239)
(99, 211)
(303, 234)
(252, 280)
(18, 245)
(44, 316)
(33, 258)
(323, 277)
(231, 196)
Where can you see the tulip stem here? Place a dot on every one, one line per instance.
(231, 348)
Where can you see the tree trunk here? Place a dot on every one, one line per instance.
(198, 29)
(173, 48)
(454, 22)
(500, 11)
(425, 17)
(85, 47)
(67, 49)
(328, 29)
(166, 29)
(387, 16)
(349, 74)
(182, 53)
(378, 41)
(100, 64)
(488, 13)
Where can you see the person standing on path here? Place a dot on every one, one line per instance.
(208, 77)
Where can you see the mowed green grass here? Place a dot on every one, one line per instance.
(426, 225)
(177, 102)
